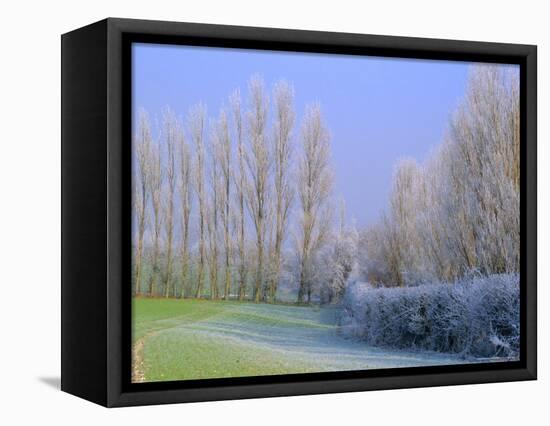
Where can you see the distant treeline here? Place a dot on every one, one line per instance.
(236, 206)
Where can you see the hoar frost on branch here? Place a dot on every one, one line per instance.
(315, 180)
(460, 211)
(475, 316)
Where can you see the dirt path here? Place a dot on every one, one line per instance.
(138, 363)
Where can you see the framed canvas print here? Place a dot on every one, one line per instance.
(254, 212)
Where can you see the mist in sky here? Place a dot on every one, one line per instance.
(378, 110)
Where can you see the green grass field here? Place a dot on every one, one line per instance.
(180, 340)
(199, 339)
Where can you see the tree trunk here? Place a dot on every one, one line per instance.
(200, 275)
(184, 262)
(155, 269)
(303, 282)
(169, 269)
(259, 272)
(139, 255)
(227, 276)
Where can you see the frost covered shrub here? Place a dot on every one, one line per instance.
(476, 316)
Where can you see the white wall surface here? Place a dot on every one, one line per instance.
(30, 212)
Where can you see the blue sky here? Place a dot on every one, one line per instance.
(378, 110)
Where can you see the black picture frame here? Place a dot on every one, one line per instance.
(96, 229)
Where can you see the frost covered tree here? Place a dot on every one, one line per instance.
(172, 134)
(143, 142)
(222, 153)
(401, 225)
(482, 176)
(186, 200)
(197, 117)
(155, 188)
(213, 217)
(430, 230)
(240, 178)
(219, 202)
(460, 211)
(339, 260)
(283, 100)
(259, 167)
(314, 181)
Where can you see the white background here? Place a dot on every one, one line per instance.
(30, 211)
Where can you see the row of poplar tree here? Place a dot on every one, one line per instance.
(213, 198)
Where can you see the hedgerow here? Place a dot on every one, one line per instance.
(476, 316)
